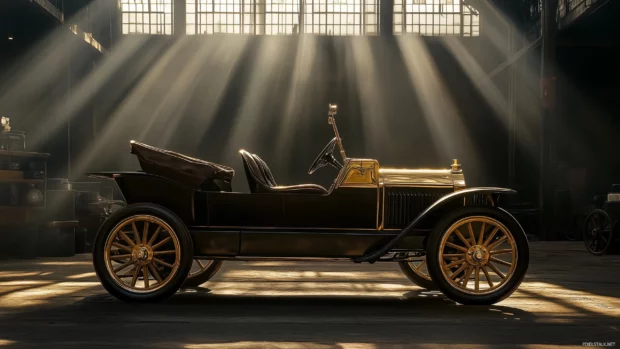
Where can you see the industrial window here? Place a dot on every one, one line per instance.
(146, 16)
(341, 17)
(219, 16)
(283, 17)
(435, 17)
(566, 6)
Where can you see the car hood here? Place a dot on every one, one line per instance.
(421, 178)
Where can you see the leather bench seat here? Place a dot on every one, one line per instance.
(261, 180)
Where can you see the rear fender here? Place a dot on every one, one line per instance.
(435, 211)
(141, 187)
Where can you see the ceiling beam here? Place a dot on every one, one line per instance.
(585, 8)
(50, 8)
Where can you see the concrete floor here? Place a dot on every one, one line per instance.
(569, 297)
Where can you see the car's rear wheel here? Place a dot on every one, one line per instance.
(416, 271)
(202, 271)
(142, 253)
(478, 255)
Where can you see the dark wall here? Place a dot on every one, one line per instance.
(36, 93)
(41, 69)
(405, 101)
(588, 127)
(271, 104)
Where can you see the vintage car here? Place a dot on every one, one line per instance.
(599, 225)
(183, 219)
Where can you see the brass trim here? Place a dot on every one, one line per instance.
(382, 209)
(455, 167)
(416, 186)
(382, 178)
(346, 179)
(340, 178)
(333, 109)
(377, 225)
(361, 173)
(490, 198)
(459, 181)
(416, 177)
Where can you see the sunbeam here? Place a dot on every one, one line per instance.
(363, 74)
(260, 106)
(301, 86)
(442, 116)
(85, 90)
(135, 110)
(490, 91)
(31, 88)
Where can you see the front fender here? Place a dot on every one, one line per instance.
(435, 207)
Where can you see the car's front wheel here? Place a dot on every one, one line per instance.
(142, 253)
(477, 255)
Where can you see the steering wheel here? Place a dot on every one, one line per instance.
(326, 157)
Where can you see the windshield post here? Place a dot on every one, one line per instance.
(333, 109)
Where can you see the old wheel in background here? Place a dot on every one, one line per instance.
(202, 271)
(416, 271)
(142, 253)
(478, 255)
(597, 232)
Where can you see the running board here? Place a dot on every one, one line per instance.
(277, 259)
(401, 256)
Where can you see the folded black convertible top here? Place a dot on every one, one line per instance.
(192, 172)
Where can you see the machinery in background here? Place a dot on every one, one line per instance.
(22, 193)
(86, 204)
(95, 201)
(600, 234)
(11, 140)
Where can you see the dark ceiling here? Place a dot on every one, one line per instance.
(23, 20)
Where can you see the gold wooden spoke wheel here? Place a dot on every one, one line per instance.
(418, 265)
(199, 266)
(142, 254)
(478, 255)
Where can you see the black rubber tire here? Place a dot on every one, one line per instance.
(586, 234)
(186, 248)
(204, 276)
(417, 279)
(432, 255)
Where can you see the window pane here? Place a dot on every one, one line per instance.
(138, 14)
(438, 17)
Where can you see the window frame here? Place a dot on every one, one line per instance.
(146, 16)
(412, 17)
(297, 17)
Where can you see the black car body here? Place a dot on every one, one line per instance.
(368, 214)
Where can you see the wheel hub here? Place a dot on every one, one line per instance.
(477, 255)
(142, 254)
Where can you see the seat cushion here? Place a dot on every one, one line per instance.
(260, 178)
